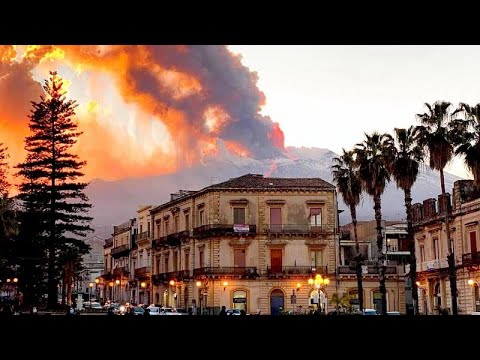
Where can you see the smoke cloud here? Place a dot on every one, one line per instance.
(143, 109)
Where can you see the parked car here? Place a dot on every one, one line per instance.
(233, 312)
(370, 312)
(168, 311)
(393, 313)
(154, 310)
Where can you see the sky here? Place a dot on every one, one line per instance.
(152, 110)
(340, 92)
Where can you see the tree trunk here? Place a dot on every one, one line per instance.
(64, 285)
(451, 254)
(358, 257)
(411, 248)
(383, 266)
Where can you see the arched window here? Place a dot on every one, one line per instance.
(277, 301)
(437, 296)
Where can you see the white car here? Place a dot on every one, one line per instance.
(168, 311)
(154, 310)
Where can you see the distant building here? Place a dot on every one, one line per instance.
(93, 264)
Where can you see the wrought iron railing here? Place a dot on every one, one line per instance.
(296, 270)
(471, 259)
(119, 250)
(296, 229)
(226, 271)
(224, 230)
(371, 269)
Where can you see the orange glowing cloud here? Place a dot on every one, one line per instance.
(143, 110)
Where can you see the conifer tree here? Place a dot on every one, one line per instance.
(51, 191)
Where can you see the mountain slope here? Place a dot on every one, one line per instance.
(116, 201)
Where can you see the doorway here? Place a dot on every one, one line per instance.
(277, 301)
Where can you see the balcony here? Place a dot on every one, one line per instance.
(297, 229)
(119, 251)
(433, 265)
(173, 275)
(295, 271)
(210, 230)
(143, 272)
(371, 269)
(121, 271)
(236, 271)
(471, 259)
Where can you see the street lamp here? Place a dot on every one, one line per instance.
(90, 285)
(319, 283)
(202, 293)
(225, 284)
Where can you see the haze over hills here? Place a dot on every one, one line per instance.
(116, 201)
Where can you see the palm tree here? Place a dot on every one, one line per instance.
(404, 169)
(437, 138)
(373, 157)
(467, 138)
(349, 186)
(338, 301)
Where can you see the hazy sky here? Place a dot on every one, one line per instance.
(337, 93)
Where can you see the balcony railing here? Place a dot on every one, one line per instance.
(471, 259)
(121, 250)
(142, 272)
(296, 229)
(287, 271)
(172, 275)
(249, 272)
(143, 236)
(371, 269)
(433, 265)
(121, 271)
(224, 230)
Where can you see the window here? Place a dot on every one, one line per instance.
(165, 268)
(159, 229)
(275, 219)
(436, 249)
(315, 216)
(187, 222)
(473, 241)
(176, 224)
(148, 229)
(276, 260)
(158, 266)
(141, 228)
(187, 260)
(239, 215)
(239, 257)
(316, 259)
(201, 258)
(175, 261)
(201, 217)
(167, 226)
(422, 253)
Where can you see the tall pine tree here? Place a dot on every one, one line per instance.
(50, 188)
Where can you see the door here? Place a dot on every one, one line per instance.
(239, 258)
(277, 300)
(276, 260)
(473, 242)
(275, 219)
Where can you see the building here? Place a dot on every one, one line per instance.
(105, 281)
(250, 243)
(432, 249)
(93, 264)
(140, 259)
(124, 236)
(396, 250)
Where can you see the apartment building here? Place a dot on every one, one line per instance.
(432, 249)
(249, 243)
(124, 236)
(396, 250)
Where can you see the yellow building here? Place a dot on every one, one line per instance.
(250, 243)
(432, 248)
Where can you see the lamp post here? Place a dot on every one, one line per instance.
(143, 286)
(117, 282)
(90, 286)
(97, 290)
(111, 287)
(319, 283)
(423, 288)
(202, 294)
